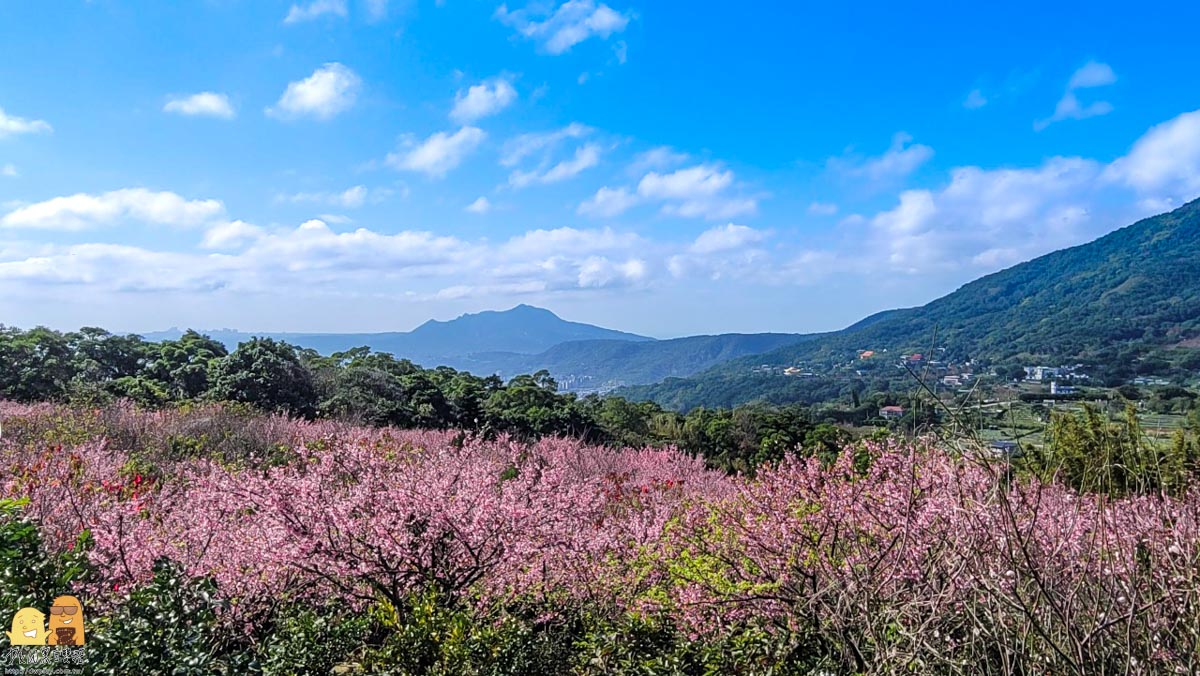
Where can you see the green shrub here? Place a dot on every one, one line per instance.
(29, 575)
(313, 641)
(168, 626)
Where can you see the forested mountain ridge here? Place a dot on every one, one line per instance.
(1119, 298)
(601, 364)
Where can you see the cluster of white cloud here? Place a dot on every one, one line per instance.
(559, 29)
(1092, 74)
(330, 90)
(981, 220)
(11, 125)
(730, 251)
(314, 255)
(1164, 164)
(586, 157)
(203, 104)
(699, 191)
(542, 155)
(985, 219)
(84, 211)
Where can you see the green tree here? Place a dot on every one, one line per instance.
(267, 374)
(35, 365)
(182, 366)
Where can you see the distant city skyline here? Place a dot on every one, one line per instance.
(661, 168)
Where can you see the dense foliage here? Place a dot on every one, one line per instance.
(212, 541)
(358, 385)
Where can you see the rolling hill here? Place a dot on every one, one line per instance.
(1108, 302)
(600, 365)
(527, 339)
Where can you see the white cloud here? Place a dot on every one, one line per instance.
(1165, 159)
(600, 272)
(527, 145)
(438, 154)
(314, 246)
(975, 100)
(204, 104)
(540, 244)
(726, 238)
(9, 171)
(315, 10)
(481, 100)
(331, 89)
(822, 208)
(1091, 75)
(608, 202)
(571, 23)
(82, 211)
(700, 191)
(230, 234)
(545, 157)
(480, 206)
(350, 198)
(900, 160)
(988, 217)
(586, 157)
(306, 257)
(11, 125)
(116, 267)
(662, 157)
(725, 251)
(702, 180)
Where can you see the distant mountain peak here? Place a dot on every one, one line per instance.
(529, 309)
(523, 329)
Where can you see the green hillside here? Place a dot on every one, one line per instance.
(1124, 299)
(600, 364)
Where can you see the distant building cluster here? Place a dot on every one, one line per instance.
(1044, 373)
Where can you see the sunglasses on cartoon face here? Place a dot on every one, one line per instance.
(63, 610)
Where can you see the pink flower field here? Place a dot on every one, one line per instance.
(898, 556)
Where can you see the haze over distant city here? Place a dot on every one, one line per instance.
(666, 168)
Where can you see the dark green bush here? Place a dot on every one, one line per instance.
(169, 626)
(29, 575)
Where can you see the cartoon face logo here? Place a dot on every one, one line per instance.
(28, 628)
(66, 621)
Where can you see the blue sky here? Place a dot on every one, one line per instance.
(669, 168)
